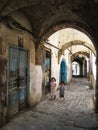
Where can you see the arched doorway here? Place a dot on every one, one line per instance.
(75, 68)
(63, 71)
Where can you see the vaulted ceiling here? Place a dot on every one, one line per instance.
(44, 14)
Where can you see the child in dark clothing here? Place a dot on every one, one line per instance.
(61, 89)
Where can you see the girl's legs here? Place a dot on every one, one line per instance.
(53, 96)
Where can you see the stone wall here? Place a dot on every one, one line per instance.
(10, 37)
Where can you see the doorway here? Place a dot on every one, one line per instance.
(63, 71)
(46, 70)
(18, 75)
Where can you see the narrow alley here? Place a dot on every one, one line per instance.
(76, 112)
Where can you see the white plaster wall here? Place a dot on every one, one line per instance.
(35, 91)
(70, 34)
(77, 48)
(92, 70)
(54, 39)
(93, 67)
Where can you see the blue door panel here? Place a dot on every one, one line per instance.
(22, 78)
(47, 74)
(12, 86)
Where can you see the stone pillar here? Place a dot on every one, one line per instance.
(38, 55)
(96, 89)
(88, 67)
(3, 82)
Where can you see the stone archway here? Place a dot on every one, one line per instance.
(80, 52)
(72, 43)
(86, 63)
(57, 27)
(78, 42)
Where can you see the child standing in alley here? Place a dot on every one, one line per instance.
(61, 89)
(53, 86)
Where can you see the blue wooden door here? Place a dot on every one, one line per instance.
(63, 72)
(47, 73)
(17, 80)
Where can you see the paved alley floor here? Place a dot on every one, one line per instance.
(76, 112)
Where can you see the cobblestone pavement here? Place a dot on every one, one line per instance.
(75, 112)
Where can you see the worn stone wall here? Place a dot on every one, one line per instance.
(10, 36)
(3, 77)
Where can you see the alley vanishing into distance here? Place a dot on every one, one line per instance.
(76, 112)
